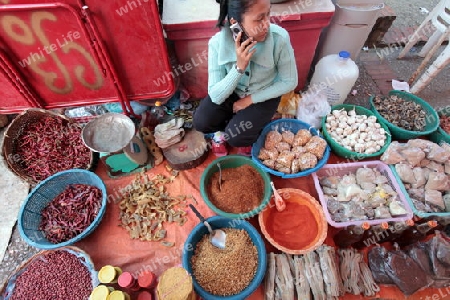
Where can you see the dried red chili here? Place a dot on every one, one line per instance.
(50, 145)
(71, 212)
(445, 123)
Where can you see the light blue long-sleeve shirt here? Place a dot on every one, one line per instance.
(272, 70)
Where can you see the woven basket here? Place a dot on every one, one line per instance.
(8, 287)
(47, 190)
(14, 131)
(301, 197)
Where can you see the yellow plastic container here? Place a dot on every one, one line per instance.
(118, 295)
(175, 284)
(101, 292)
(109, 274)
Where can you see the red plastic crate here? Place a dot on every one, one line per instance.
(190, 25)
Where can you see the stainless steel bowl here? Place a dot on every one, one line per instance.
(108, 133)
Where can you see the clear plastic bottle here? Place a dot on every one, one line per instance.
(157, 111)
(346, 237)
(336, 74)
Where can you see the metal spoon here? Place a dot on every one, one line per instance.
(279, 202)
(220, 176)
(218, 237)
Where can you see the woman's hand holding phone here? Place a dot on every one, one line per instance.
(244, 51)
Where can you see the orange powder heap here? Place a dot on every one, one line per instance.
(294, 228)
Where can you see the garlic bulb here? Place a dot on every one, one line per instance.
(357, 133)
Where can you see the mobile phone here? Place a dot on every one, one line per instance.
(235, 29)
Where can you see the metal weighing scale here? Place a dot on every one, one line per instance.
(114, 136)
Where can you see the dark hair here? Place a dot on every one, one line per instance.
(233, 9)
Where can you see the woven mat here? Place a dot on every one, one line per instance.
(13, 192)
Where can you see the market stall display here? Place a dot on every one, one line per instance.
(147, 207)
(39, 143)
(289, 233)
(62, 209)
(244, 245)
(422, 169)
(355, 132)
(245, 187)
(360, 192)
(43, 276)
(290, 148)
(406, 115)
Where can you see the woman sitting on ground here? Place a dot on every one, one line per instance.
(246, 77)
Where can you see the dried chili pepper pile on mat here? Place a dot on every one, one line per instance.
(51, 145)
(71, 212)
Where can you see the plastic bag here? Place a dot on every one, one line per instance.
(312, 108)
(406, 273)
(377, 257)
(438, 247)
(288, 104)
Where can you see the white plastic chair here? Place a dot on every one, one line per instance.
(439, 18)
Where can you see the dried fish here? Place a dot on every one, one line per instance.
(167, 244)
(269, 284)
(146, 205)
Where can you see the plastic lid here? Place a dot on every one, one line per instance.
(101, 292)
(365, 225)
(126, 280)
(344, 54)
(144, 295)
(409, 222)
(147, 279)
(118, 295)
(432, 224)
(107, 274)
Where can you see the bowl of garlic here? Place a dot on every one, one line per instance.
(355, 132)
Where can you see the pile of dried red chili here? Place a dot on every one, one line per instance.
(51, 145)
(71, 212)
(445, 123)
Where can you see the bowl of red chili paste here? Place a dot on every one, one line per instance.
(300, 228)
(244, 188)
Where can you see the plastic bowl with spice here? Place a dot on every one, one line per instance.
(242, 190)
(298, 229)
(230, 274)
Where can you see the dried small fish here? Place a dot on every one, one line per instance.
(167, 244)
(146, 205)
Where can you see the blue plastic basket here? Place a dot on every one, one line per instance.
(46, 191)
(221, 222)
(294, 126)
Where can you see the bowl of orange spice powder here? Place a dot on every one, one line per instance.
(300, 228)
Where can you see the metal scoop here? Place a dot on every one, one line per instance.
(218, 237)
(279, 202)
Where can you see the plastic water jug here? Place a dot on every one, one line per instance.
(336, 74)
